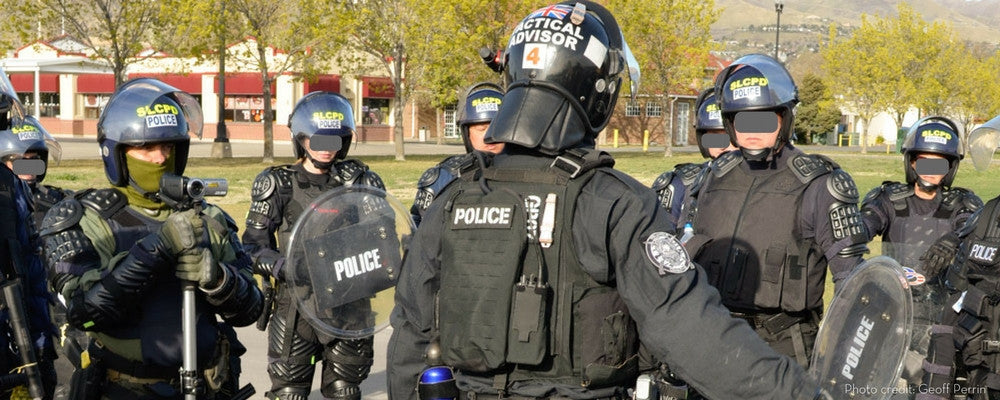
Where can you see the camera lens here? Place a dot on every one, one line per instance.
(196, 189)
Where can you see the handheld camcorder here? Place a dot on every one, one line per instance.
(181, 192)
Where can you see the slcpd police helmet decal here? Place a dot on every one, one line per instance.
(667, 253)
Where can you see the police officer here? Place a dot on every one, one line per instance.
(28, 140)
(532, 279)
(322, 126)
(674, 187)
(19, 251)
(966, 345)
(913, 215)
(481, 104)
(771, 218)
(119, 256)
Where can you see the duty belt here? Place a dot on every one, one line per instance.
(773, 323)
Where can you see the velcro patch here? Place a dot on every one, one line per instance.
(984, 253)
(484, 216)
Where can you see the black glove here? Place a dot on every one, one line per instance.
(940, 255)
(270, 264)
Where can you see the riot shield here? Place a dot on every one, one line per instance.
(983, 141)
(343, 259)
(865, 334)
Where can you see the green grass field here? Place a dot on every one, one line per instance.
(400, 177)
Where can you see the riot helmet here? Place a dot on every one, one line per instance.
(937, 135)
(28, 136)
(757, 82)
(327, 115)
(482, 101)
(708, 118)
(11, 108)
(142, 112)
(562, 72)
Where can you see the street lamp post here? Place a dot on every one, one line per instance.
(778, 6)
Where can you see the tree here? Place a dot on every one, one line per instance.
(286, 36)
(853, 70)
(671, 41)
(115, 31)
(816, 112)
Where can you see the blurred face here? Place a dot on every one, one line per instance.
(476, 134)
(715, 152)
(322, 156)
(757, 140)
(31, 155)
(933, 179)
(156, 153)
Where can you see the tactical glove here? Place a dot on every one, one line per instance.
(269, 264)
(940, 255)
(199, 266)
(182, 231)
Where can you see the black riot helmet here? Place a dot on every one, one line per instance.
(562, 71)
(11, 108)
(708, 118)
(146, 111)
(482, 101)
(933, 134)
(757, 82)
(325, 114)
(27, 135)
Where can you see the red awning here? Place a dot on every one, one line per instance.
(95, 83)
(47, 83)
(378, 87)
(327, 83)
(244, 83)
(190, 83)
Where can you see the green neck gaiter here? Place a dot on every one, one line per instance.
(146, 176)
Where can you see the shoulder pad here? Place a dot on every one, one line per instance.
(372, 179)
(662, 181)
(62, 216)
(961, 199)
(726, 162)
(970, 224)
(897, 190)
(807, 167)
(842, 187)
(699, 180)
(263, 186)
(873, 194)
(106, 202)
(460, 163)
(350, 170)
(688, 172)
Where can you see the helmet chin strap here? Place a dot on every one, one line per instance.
(322, 165)
(926, 186)
(756, 154)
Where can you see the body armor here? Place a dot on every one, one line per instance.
(561, 324)
(436, 179)
(758, 260)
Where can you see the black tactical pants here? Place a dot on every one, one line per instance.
(294, 347)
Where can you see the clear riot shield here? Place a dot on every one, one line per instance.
(344, 257)
(983, 141)
(865, 334)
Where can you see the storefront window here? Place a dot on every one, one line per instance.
(247, 109)
(375, 112)
(93, 104)
(49, 106)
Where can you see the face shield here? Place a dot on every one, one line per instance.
(983, 141)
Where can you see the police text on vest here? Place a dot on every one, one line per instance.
(482, 217)
(357, 264)
(983, 253)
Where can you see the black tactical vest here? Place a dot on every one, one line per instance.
(916, 232)
(303, 193)
(513, 300)
(758, 260)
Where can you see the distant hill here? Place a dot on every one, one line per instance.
(748, 25)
